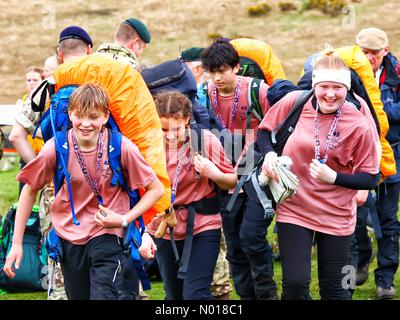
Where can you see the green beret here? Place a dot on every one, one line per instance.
(140, 28)
(192, 54)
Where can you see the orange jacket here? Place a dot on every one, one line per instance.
(132, 107)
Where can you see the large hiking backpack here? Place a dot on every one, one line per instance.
(131, 106)
(32, 271)
(257, 60)
(281, 133)
(175, 75)
(55, 123)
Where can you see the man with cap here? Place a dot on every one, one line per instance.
(375, 45)
(130, 40)
(74, 42)
(192, 58)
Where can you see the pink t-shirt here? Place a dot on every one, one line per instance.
(225, 105)
(319, 206)
(41, 170)
(192, 188)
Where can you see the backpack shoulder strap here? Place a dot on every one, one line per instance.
(205, 93)
(62, 151)
(114, 158)
(298, 105)
(41, 94)
(253, 94)
(61, 174)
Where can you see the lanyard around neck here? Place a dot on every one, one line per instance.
(78, 153)
(236, 97)
(175, 182)
(329, 137)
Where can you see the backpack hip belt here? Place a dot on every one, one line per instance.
(205, 206)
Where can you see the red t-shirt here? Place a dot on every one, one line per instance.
(192, 188)
(41, 170)
(319, 206)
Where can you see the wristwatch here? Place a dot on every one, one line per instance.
(124, 222)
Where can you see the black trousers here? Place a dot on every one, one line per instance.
(295, 244)
(93, 270)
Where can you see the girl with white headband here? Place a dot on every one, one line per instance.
(334, 153)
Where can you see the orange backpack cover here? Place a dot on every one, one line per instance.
(131, 106)
(261, 53)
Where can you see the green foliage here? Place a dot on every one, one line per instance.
(214, 35)
(259, 9)
(9, 188)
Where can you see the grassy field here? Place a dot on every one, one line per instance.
(9, 194)
(27, 39)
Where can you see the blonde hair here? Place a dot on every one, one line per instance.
(329, 60)
(89, 100)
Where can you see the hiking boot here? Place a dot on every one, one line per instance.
(386, 293)
(362, 274)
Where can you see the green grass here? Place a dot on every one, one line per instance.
(9, 194)
(8, 188)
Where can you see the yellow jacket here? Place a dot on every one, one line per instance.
(261, 53)
(356, 60)
(132, 107)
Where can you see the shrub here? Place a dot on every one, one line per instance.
(287, 6)
(258, 9)
(330, 7)
(213, 35)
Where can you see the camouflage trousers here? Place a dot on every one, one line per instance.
(56, 277)
(221, 284)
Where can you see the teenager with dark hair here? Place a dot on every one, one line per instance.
(245, 226)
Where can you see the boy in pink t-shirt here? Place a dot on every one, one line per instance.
(92, 252)
(245, 225)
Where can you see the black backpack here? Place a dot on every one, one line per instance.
(175, 75)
